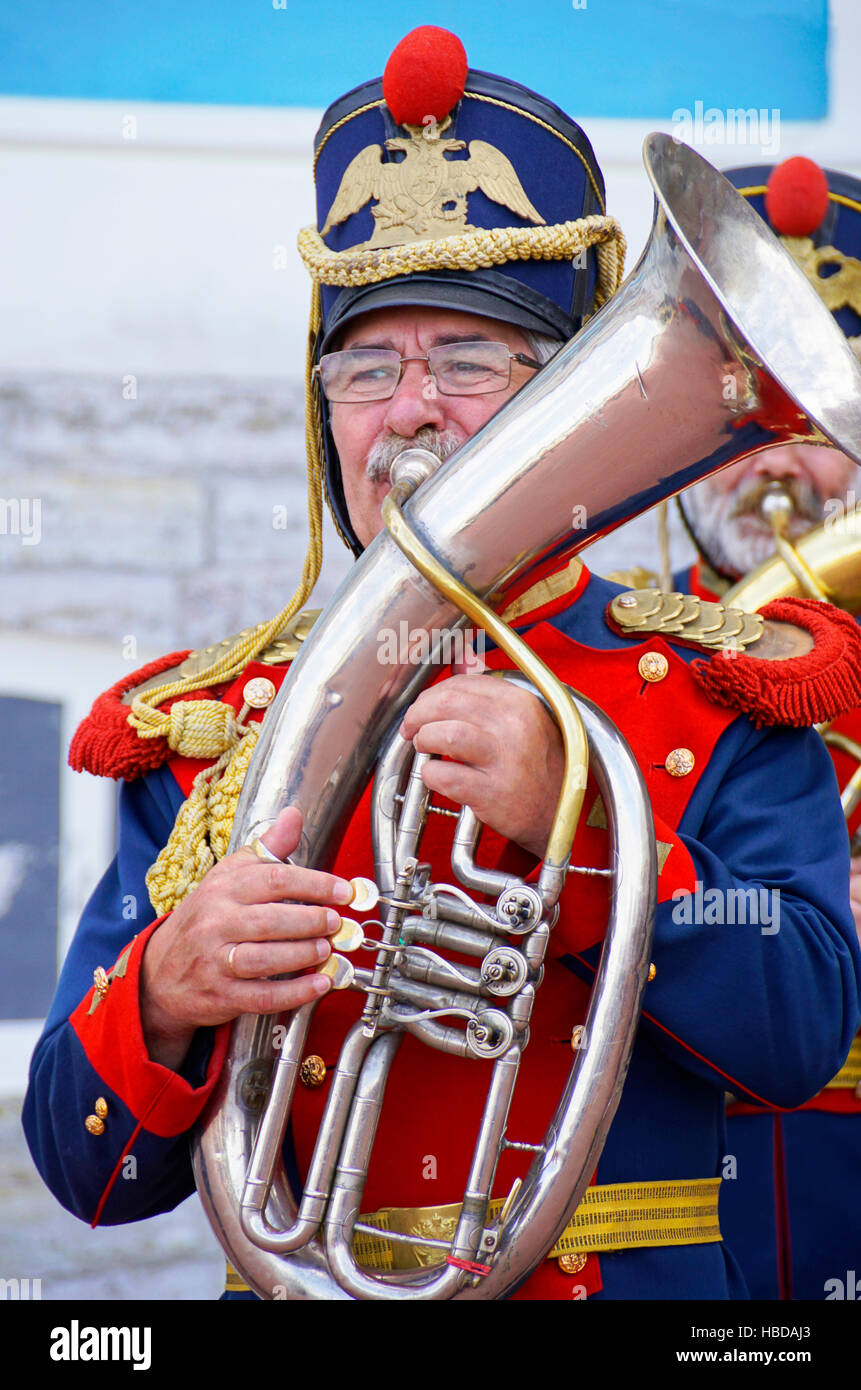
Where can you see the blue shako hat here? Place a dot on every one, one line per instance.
(442, 186)
(816, 213)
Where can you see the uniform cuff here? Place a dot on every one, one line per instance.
(110, 1032)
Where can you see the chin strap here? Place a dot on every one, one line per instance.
(146, 718)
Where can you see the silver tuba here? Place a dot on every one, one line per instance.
(713, 348)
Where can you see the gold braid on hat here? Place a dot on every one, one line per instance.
(473, 250)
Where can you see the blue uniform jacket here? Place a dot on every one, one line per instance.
(767, 1012)
(790, 1212)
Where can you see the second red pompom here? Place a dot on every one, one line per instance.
(797, 197)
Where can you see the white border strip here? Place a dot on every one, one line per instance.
(141, 126)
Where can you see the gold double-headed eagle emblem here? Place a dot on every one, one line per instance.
(835, 276)
(424, 194)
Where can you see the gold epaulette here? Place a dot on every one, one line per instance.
(694, 620)
(282, 649)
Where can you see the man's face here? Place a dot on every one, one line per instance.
(724, 510)
(370, 435)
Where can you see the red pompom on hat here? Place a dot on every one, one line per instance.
(796, 199)
(425, 75)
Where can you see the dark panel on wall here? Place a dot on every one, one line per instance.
(29, 854)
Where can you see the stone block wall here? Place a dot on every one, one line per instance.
(171, 517)
(166, 518)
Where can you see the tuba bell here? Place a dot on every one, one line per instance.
(714, 347)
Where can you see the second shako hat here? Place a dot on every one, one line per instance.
(816, 213)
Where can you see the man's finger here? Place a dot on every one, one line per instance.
(284, 836)
(455, 698)
(455, 739)
(286, 922)
(257, 882)
(251, 960)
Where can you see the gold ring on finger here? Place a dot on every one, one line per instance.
(230, 954)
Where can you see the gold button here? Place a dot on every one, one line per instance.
(572, 1264)
(653, 666)
(101, 981)
(259, 692)
(94, 1124)
(653, 970)
(312, 1071)
(628, 601)
(101, 1107)
(680, 762)
(577, 1035)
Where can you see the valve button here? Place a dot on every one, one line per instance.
(366, 894)
(340, 971)
(348, 937)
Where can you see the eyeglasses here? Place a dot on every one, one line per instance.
(456, 369)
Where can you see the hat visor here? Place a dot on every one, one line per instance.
(482, 292)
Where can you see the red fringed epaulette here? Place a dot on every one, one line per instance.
(106, 744)
(800, 690)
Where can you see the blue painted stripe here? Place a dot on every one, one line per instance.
(608, 58)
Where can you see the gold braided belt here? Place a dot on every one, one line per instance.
(615, 1216)
(849, 1075)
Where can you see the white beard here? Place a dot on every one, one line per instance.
(387, 447)
(731, 530)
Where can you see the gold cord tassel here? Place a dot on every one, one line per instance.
(145, 717)
(201, 832)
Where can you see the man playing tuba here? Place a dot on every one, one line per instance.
(463, 239)
(792, 1215)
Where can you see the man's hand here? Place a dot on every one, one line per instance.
(855, 891)
(506, 758)
(212, 958)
